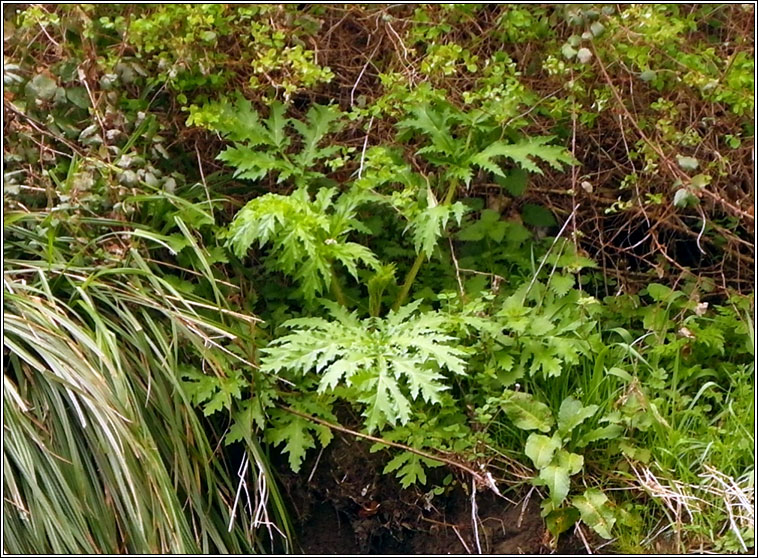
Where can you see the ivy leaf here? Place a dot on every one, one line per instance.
(658, 292)
(700, 181)
(595, 511)
(540, 449)
(42, 87)
(648, 75)
(597, 28)
(527, 413)
(515, 181)
(572, 413)
(584, 55)
(78, 96)
(684, 198)
(568, 51)
(488, 225)
(687, 163)
(635, 453)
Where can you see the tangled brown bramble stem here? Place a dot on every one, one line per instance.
(483, 479)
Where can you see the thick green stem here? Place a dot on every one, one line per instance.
(411, 277)
(450, 193)
(409, 281)
(339, 295)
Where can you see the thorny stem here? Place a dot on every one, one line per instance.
(411, 277)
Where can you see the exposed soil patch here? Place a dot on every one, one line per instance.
(349, 507)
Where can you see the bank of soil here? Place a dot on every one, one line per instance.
(349, 507)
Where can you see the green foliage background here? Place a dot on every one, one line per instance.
(508, 237)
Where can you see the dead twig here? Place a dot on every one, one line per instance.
(481, 480)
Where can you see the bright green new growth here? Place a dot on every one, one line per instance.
(387, 364)
(307, 237)
(263, 146)
(461, 141)
(554, 463)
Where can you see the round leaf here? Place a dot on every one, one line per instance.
(687, 163)
(537, 216)
(584, 55)
(78, 96)
(597, 28)
(540, 449)
(568, 51)
(647, 75)
(41, 87)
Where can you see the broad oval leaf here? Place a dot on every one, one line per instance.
(527, 413)
(595, 512)
(556, 478)
(572, 413)
(541, 449)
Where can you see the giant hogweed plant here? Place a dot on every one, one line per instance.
(403, 369)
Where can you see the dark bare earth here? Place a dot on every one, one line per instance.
(349, 507)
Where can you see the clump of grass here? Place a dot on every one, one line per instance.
(700, 475)
(104, 452)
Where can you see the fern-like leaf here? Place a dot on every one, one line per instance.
(525, 153)
(429, 224)
(306, 238)
(435, 123)
(250, 163)
(387, 363)
(318, 123)
(262, 147)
